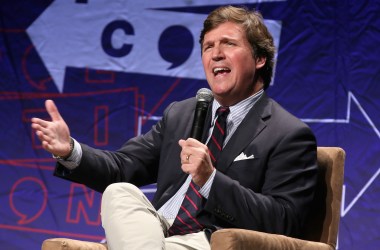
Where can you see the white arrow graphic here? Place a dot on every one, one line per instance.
(70, 34)
(351, 98)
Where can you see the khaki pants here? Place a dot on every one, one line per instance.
(131, 222)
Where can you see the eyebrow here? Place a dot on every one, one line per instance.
(224, 39)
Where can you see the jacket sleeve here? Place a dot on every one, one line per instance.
(135, 162)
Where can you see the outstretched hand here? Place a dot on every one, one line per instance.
(55, 134)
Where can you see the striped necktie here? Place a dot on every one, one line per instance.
(215, 144)
(185, 221)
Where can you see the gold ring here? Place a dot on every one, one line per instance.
(187, 158)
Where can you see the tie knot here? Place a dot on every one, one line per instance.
(223, 111)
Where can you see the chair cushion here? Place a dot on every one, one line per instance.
(230, 239)
(69, 244)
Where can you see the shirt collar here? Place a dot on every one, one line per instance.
(239, 108)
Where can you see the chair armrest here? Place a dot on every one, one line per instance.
(229, 239)
(69, 244)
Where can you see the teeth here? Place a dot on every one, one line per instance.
(217, 70)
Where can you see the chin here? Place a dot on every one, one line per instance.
(222, 97)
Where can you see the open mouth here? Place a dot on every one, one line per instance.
(220, 71)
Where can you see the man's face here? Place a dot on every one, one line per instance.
(229, 65)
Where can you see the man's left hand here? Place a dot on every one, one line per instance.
(196, 160)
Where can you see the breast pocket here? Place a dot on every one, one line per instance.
(248, 172)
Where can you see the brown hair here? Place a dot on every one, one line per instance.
(258, 36)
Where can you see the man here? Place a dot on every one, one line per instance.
(264, 176)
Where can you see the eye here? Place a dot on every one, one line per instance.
(206, 47)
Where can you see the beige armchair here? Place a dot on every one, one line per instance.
(320, 233)
(322, 225)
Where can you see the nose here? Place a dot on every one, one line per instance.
(217, 53)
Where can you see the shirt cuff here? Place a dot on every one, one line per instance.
(205, 190)
(74, 159)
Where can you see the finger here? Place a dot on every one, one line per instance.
(185, 150)
(39, 122)
(52, 110)
(46, 145)
(193, 142)
(189, 145)
(187, 142)
(185, 159)
(181, 143)
(47, 132)
(42, 137)
(185, 169)
(36, 126)
(44, 130)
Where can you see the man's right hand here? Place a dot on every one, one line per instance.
(55, 134)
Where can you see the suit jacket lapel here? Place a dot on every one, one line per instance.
(250, 127)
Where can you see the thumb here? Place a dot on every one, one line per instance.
(52, 110)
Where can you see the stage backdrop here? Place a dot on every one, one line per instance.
(113, 66)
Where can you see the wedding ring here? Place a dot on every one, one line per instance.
(187, 158)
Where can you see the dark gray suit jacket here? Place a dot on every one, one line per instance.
(269, 193)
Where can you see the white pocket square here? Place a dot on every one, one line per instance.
(243, 156)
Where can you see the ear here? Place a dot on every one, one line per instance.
(260, 62)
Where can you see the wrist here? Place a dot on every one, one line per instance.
(58, 157)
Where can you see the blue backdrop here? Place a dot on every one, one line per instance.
(113, 66)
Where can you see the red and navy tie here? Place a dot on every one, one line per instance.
(215, 144)
(186, 222)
